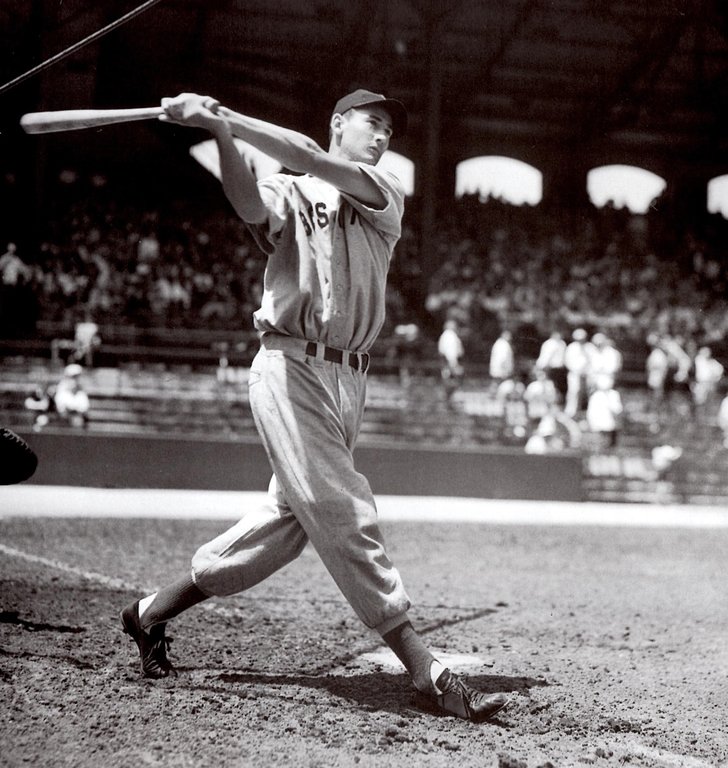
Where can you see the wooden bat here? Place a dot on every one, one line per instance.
(75, 119)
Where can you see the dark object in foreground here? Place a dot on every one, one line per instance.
(18, 461)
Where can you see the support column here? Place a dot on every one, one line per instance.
(564, 183)
(429, 173)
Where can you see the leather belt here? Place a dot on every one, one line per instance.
(359, 361)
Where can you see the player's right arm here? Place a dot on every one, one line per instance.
(238, 180)
(293, 150)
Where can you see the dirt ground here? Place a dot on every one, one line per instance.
(611, 642)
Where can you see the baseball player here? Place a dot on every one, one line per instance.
(329, 234)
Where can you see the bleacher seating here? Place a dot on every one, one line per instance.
(163, 400)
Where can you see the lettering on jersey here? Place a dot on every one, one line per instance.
(318, 217)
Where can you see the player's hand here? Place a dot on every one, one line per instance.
(192, 110)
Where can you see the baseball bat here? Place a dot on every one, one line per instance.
(75, 119)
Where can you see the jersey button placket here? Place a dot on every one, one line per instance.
(336, 312)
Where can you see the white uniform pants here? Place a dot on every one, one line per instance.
(308, 413)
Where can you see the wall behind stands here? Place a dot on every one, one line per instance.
(82, 459)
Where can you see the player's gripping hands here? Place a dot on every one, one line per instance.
(192, 110)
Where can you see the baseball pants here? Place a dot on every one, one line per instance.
(308, 412)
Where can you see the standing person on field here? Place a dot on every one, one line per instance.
(329, 235)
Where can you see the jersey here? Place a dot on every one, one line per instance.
(328, 258)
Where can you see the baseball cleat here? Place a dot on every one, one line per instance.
(456, 697)
(152, 644)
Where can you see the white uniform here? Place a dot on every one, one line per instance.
(322, 308)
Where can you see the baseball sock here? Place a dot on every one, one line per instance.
(169, 602)
(408, 647)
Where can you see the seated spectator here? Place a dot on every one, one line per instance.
(540, 396)
(42, 405)
(509, 395)
(71, 400)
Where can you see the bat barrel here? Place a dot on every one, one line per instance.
(76, 119)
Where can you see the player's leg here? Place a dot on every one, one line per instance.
(309, 414)
(263, 541)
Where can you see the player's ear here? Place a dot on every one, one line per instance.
(336, 124)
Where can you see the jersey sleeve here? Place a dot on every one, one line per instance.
(274, 191)
(387, 219)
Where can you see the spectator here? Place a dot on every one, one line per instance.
(502, 365)
(576, 360)
(541, 397)
(657, 365)
(723, 419)
(86, 340)
(406, 349)
(509, 395)
(707, 375)
(604, 360)
(41, 404)
(71, 400)
(13, 270)
(551, 361)
(680, 366)
(451, 350)
(603, 412)
(18, 303)
(555, 432)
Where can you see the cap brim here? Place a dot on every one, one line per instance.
(397, 111)
(399, 115)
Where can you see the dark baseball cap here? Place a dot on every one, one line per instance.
(362, 98)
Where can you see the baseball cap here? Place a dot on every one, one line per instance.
(362, 98)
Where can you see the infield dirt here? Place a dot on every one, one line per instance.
(611, 642)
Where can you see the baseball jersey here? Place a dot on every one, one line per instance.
(328, 258)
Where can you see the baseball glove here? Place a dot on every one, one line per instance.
(18, 461)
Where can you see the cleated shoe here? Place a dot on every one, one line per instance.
(152, 644)
(456, 697)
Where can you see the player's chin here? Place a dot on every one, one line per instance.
(370, 159)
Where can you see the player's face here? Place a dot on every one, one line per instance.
(365, 134)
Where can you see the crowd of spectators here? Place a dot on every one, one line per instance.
(504, 266)
(493, 266)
